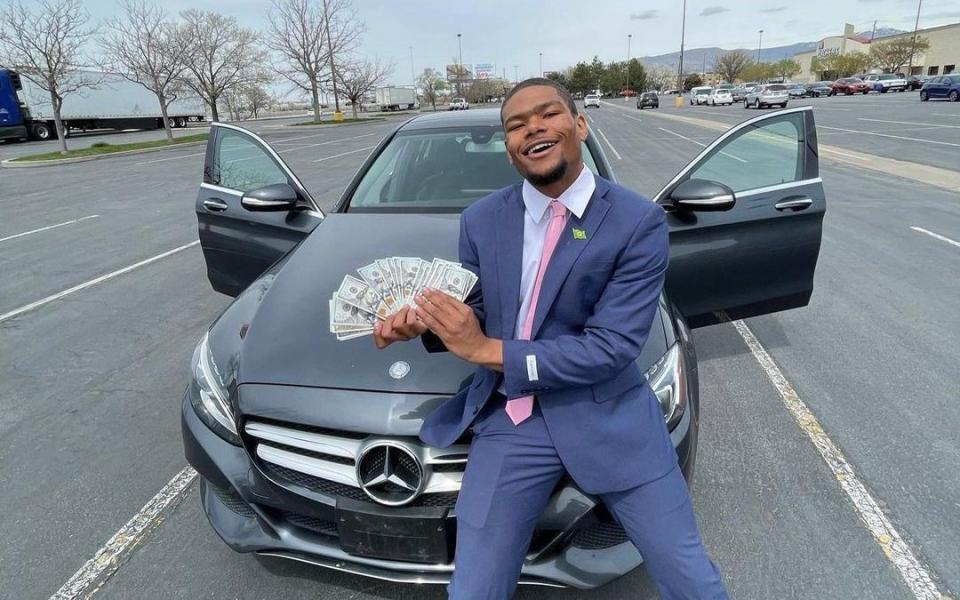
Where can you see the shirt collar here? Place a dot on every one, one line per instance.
(575, 198)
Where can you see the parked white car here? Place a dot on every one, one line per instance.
(459, 104)
(720, 96)
(699, 95)
(886, 82)
(591, 100)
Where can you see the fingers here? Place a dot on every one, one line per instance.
(401, 326)
(448, 305)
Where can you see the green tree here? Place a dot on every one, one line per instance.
(637, 75)
(560, 78)
(786, 68)
(841, 65)
(691, 81)
(892, 54)
(582, 79)
(598, 70)
(757, 72)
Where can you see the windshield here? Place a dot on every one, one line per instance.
(886, 77)
(438, 170)
(776, 87)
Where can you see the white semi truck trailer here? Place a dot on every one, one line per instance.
(395, 98)
(114, 103)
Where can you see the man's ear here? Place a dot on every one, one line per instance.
(582, 130)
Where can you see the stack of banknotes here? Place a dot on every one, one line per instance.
(388, 284)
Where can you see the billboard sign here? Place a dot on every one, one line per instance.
(464, 74)
(483, 70)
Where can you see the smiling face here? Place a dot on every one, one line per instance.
(543, 138)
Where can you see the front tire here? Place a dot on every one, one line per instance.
(954, 96)
(923, 96)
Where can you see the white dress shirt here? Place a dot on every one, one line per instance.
(535, 224)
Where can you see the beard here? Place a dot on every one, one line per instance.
(550, 177)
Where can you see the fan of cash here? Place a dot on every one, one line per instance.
(388, 284)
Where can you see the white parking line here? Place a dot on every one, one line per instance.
(896, 550)
(19, 311)
(47, 228)
(109, 558)
(942, 238)
(897, 137)
(637, 119)
(956, 115)
(701, 144)
(344, 153)
(159, 160)
(356, 137)
(589, 118)
(615, 153)
(937, 125)
(822, 149)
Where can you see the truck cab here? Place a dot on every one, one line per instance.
(14, 114)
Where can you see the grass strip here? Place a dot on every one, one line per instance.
(106, 148)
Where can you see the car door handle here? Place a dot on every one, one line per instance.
(793, 204)
(215, 205)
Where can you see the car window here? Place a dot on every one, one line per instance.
(776, 87)
(242, 164)
(953, 78)
(439, 170)
(768, 154)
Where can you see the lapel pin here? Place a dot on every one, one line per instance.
(579, 234)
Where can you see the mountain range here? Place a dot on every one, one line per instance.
(700, 58)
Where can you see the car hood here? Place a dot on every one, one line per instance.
(288, 341)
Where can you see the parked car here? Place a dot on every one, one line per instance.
(699, 95)
(886, 82)
(292, 433)
(849, 85)
(819, 88)
(738, 93)
(459, 104)
(720, 96)
(915, 82)
(591, 100)
(767, 95)
(648, 100)
(796, 90)
(943, 86)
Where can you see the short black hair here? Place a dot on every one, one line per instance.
(564, 92)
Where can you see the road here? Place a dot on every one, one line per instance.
(90, 382)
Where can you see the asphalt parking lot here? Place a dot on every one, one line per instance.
(95, 359)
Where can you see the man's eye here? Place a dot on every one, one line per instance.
(552, 114)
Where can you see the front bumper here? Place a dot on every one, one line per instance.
(576, 544)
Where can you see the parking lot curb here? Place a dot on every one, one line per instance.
(929, 175)
(12, 163)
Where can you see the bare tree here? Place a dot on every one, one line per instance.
(256, 98)
(661, 77)
(359, 78)
(298, 33)
(221, 55)
(145, 48)
(431, 83)
(730, 65)
(44, 43)
(890, 55)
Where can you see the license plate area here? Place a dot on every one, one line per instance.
(419, 535)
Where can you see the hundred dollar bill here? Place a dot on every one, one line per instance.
(358, 293)
(344, 315)
(453, 282)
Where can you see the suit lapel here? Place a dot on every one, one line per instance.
(568, 250)
(509, 227)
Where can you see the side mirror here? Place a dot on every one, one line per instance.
(702, 195)
(274, 197)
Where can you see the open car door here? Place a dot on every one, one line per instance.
(251, 208)
(745, 219)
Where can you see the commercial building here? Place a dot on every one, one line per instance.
(942, 57)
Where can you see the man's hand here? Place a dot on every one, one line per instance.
(401, 326)
(457, 326)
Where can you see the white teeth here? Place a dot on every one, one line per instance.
(539, 147)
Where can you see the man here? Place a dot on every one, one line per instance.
(570, 270)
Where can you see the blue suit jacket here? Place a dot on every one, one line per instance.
(597, 302)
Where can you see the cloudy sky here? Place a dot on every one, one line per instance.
(515, 32)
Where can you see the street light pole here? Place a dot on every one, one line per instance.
(516, 76)
(759, 45)
(683, 31)
(337, 115)
(541, 64)
(629, 36)
(459, 66)
(413, 73)
(913, 44)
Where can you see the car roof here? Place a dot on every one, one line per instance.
(440, 120)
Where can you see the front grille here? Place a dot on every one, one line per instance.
(600, 536)
(340, 460)
(332, 488)
(232, 500)
(342, 433)
(321, 526)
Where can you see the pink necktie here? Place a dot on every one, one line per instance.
(520, 409)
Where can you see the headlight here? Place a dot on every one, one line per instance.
(208, 395)
(666, 378)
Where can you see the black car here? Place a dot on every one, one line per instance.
(818, 89)
(648, 100)
(307, 447)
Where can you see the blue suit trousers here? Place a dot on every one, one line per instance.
(510, 475)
